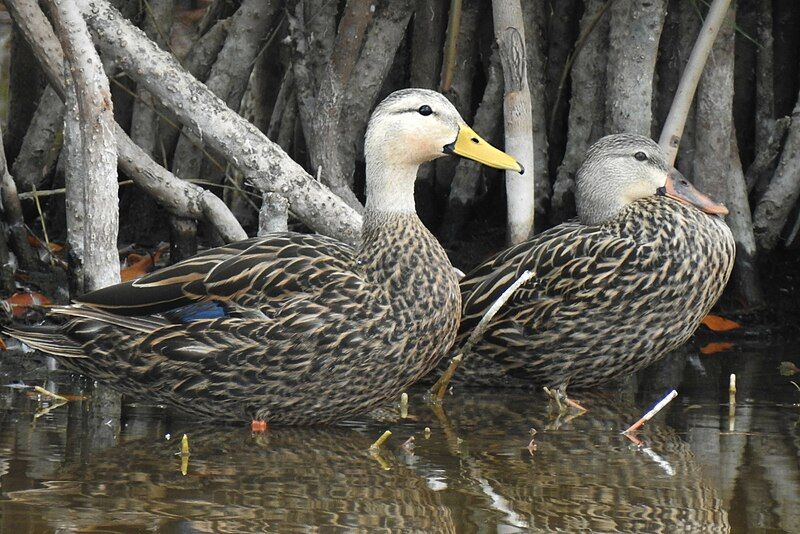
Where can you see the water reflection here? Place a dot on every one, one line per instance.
(70, 470)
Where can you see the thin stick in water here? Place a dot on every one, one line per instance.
(47, 393)
(649, 415)
(404, 405)
(440, 387)
(380, 441)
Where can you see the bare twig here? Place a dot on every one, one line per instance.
(676, 120)
(381, 440)
(653, 411)
(732, 404)
(451, 45)
(47, 393)
(440, 387)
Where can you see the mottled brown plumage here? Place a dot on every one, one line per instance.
(288, 328)
(609, 297)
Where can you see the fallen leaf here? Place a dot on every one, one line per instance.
(719, 324)
(36, 242)
(715, 347)
(3, 344)
(18, 303)
(139, 265)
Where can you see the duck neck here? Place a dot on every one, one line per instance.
(390, 188)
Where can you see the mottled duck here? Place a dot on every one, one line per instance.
(290, 328)
(612, 292)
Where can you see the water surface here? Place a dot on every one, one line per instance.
(77, 469)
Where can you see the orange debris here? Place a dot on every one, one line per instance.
(715, 347)
(719, 324)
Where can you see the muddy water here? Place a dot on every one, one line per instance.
(696, 468)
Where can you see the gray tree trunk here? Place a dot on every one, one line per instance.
(714, 116)
(71, 162)
(774, 207)
(144, 120)
(562, 31)
(510, 34)
(321, 117)
(745, 272)
(587, 109)
(427, 38)
(198, 63)
(383, 39)
(765, 77)
(676, 120)
(42, 142)
(633, 46)
(13, 218)
(24, 87)
(98, 150)
(535, 43)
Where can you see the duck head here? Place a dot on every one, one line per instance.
(411, 127)
(622, 168)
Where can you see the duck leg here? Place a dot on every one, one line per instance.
(558, 398)
(258, 425)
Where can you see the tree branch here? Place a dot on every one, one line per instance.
(176, 195)
(510, 34)
(676, 120)
(247, 148)
(98, 172)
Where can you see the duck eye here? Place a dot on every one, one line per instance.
(425, 110)
(641, 156)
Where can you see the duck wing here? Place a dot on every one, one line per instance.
(252, 273)
(570, 263)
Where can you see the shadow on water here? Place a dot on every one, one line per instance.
(697, 468)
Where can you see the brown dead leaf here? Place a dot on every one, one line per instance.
(715, 347)
(19, 303)
(719, 324)
(36, 242)
(139, 265)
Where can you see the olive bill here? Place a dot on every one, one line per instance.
(679, 188)
(469, 144)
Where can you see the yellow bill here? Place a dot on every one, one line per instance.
(470, 145)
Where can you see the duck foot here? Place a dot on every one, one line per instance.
(558, 397)
(257, 425)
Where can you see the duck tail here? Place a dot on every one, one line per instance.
(48, 339)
